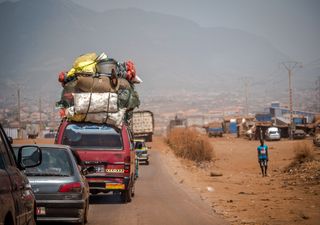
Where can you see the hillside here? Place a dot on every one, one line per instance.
(42, 37)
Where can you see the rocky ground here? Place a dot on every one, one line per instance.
(233, 186)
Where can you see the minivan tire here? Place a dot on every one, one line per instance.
(126, 195)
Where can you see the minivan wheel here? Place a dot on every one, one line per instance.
(132, 191)
(126, 195)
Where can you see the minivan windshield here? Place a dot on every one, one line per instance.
(96, 136)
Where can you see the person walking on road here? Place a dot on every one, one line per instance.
(263, 157)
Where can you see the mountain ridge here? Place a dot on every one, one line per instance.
(171, 53)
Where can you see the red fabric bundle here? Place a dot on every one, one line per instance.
(131, 70)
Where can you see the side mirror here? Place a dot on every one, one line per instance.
(29, 156)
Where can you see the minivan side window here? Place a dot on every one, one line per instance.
(130, 136)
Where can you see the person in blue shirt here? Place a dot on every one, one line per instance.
(263, 157)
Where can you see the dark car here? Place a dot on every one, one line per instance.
(17, 201)
(316, 140)
(299, 134)
(215, 131)
(61, 191)
(108, 149)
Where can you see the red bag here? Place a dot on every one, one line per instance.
(131, 70)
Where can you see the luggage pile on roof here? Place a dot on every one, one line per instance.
(99, 89)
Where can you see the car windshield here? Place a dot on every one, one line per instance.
(55, 162)
(139, 145)
(96, 136)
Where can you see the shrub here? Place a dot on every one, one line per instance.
(303, 153)
(189, 144)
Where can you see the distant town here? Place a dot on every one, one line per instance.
(196, 107)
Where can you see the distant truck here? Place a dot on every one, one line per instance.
(143, 125)
(33, 130)
(214, 129)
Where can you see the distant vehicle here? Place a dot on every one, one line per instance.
(61, 191)
(33, 130)
(141, 151)
(316, 140)
(16, 197)
(272, 134)
(108, 149)
(215, 132)
(214, 129)
(49, 134)
(298, 134)
(143, 125)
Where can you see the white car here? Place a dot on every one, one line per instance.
(273, 133)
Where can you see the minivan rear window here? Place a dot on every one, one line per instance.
(97, 136)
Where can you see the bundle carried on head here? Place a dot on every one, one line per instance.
(99, 89)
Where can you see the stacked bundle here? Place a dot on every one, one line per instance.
(99, 89)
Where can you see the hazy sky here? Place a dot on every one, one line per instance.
(293, 26)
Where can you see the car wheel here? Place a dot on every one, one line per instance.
(86, 213)
(84, 218)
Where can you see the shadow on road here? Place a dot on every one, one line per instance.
(105, 199)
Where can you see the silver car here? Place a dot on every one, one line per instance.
(60, 188)
(273, 134)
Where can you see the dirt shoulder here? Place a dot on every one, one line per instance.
(241, 195)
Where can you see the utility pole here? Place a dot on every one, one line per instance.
(40, 109)
(19, 115)
(246, 82)
(318, 94)
(290, 66)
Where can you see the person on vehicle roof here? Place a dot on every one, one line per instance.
(263, 157)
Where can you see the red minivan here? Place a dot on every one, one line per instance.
(108, 149)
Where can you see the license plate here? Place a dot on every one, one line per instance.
(114, 170)
(41, 211)
(115, 186)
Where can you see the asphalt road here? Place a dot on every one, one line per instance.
(159, 200)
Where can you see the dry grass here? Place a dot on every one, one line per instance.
(304, 152)
(190, 144)
(34, 141)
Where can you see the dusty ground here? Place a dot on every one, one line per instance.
(241, 194)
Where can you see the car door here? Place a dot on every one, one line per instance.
(11, 175)
(6, 200)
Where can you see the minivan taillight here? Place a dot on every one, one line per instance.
(71, 187)
(126, 168)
